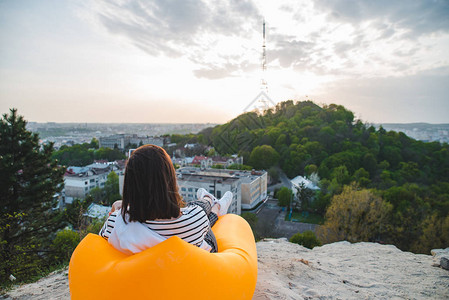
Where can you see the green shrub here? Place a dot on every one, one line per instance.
(307, 239)
(64, 243)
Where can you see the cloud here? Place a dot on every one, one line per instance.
(187, 28)
(418, 16)
(362, 39)
(337, 38)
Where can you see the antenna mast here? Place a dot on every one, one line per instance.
(262, 101)
(264, 85)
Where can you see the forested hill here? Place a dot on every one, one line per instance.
(411, 176)
(306, 135)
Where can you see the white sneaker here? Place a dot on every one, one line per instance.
(202, 192)
(224, 203)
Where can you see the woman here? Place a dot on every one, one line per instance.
(152, 209)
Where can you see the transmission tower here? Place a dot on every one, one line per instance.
(262, 101)
(264, 85)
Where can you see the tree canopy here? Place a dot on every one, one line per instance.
(284, 196)
(29, 181)
(411, 175)
(85, 154)
(263, 157)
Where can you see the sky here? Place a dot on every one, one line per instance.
(199, 61)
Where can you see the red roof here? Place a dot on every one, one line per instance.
(197, 159)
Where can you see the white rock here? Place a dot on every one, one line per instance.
(335, 271)
(436, 252)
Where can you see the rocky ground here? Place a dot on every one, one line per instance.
(335, 271)
(347, 271)
(53, 287)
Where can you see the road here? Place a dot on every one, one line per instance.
(271, 222)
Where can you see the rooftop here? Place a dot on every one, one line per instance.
(207, 175)
(97, 211)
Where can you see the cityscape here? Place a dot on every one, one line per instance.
(194, 172)
(78, 133)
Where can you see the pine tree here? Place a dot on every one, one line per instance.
(29, 180)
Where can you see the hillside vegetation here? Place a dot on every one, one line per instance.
(400, 184)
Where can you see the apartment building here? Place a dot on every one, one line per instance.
(215, 182)
(254, 188)
(249, 188)
(121, 141)
(79, 181)
(116, 140)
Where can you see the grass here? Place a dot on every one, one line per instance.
(306, 217)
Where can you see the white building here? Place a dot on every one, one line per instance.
(249, 188)
(118, 140)
(80, 185)
(299, 181)
(79, 181)
(145, 140)
(215, 182)
(254, 188)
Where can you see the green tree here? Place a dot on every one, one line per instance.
(77, 155)
(64, 243)
(211, 152)
(355, 215)
(362, 177)
(98, 194)
(310, 169)
(273, 172)
(29, 180)
(74, 211)
(111, 188)
(109, 154)
(435, 234)
(94, 143)
(304, 196)
(284, 196)
(307, 239)
(341, 175)
(263, 157)
(252, 220)
(369, 163)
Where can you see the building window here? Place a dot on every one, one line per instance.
(85, 182)
(218, 194)
(92, 180)
(190, 190)
(183, 189)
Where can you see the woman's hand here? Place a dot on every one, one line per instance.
(117, 205)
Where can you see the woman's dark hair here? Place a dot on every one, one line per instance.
(150, 191)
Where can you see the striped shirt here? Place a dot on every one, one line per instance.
(191, 226)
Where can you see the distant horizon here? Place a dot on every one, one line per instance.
(122, 123)
(170, 123)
